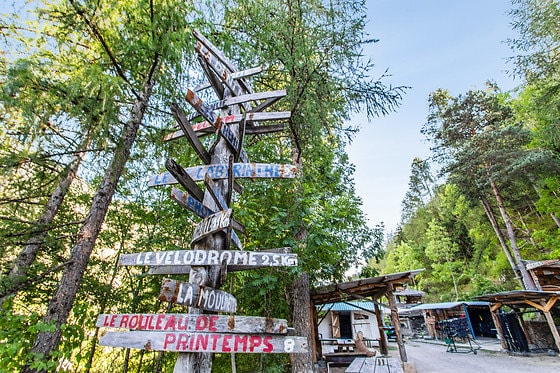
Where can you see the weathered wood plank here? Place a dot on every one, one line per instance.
(202, 211)
(237, 118)
(202, 108)
(215, 193)
(275, 258)
(269, 97)
(176, 322)
(184, 179)
(198, 296)
(223, 59)
(235, 75)
(191, 203)
(240, 171)
(187, 129)
(214, 223)
(205, 342)
(222, 72)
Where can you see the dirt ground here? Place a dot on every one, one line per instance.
(433, 358)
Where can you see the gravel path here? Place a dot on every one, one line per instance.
(433, 358)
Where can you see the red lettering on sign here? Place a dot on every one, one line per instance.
(124, 321)
(240, 343)
(202, 341)
(225, 343)
(266, 342)
(184, 325)
(170, 324)
(254, 341)
(113, 319)
(182, 342)
(201, 323)
(169, 339)
(212, 323)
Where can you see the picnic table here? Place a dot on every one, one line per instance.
(376, 364)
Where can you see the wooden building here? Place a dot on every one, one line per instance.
(372, 289)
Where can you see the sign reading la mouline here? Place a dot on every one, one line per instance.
(197, 331)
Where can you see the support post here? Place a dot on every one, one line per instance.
(396, 322)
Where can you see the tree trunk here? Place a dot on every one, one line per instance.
(18, 274)
(62, 301)
(301, 320)
(527, 280)
(503, 243)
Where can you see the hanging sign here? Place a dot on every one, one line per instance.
(205, 342)
(198, 296)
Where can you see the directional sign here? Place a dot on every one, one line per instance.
(176, 322)
(214, 223)
(221, 71)
(200, 106)
(205, 342)
(269, 97)
(240, 170)
(224, 130)
(234, 75)
(194, 295)
(203, 211)
(185, 126)
(184, 179)
(237, 118)
(276, 258)
(190, 203)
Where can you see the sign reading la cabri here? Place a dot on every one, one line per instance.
(197, 330)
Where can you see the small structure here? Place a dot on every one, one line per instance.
(477, 314)
(518, 334)
(370, 289)
(341, 322)
(524, 318)
(412, 322)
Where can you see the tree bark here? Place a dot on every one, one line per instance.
(301, 320)
(18, 274)
(62, 301)
(503, 243)
(527, 280)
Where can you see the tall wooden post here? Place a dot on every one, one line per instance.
(382, 337)
(396, 322)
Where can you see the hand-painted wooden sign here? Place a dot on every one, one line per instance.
(234, 75)
(185, 126)
(214, 223)
(237, 118)
(203, 211)
(269, 97)
(198, 296)
(224, 130)
(211, 257)
(176, 322)
(205, 342)
(184, 179)
(240, 171)
(190, 203)
(221, 71)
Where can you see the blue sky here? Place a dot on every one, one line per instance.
(452, 44)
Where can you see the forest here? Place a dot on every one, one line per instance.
(89, 90)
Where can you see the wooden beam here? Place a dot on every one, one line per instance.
(495, 307)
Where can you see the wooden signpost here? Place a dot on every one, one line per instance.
(209, 195)
(220, 171)
(206, 342)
